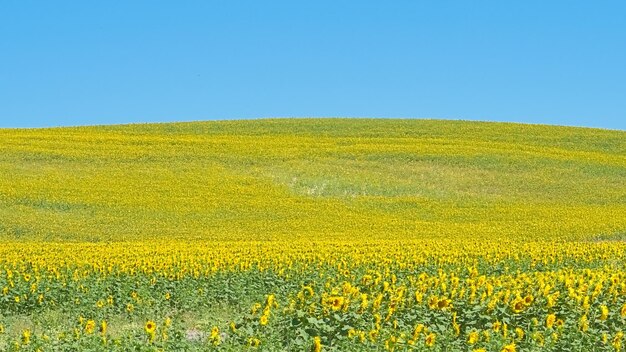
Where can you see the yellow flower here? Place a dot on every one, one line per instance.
(604, 312)
(518, 305)
(622, 311)
(271, 301)
(26, 336)
(529, 299)
(519, 332)
(263, 320)
(509, 348)
(443, 303)
(457, 328)
(430, 339)
(336, 302)
(150, 327)
(317, 344)
(559, 323)
(583, 324)
(617, 340)
(472, 338)
(90, 326)
(254, 342)
(496, 326)
(215, 336)
(550, 319)
(433, 302)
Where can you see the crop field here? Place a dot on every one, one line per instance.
(313, 235)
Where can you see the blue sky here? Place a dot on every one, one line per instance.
(102, 62)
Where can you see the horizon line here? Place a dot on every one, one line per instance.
(306, 118)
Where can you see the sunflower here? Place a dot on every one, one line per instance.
(604, 312)
(336, 302)
(433, 302)
(559, 323)
(550, 319)
(90, 326)
(472, 338)
(583, 324)
(430, 339)
(317, 344)
(443, 303)
(150, 327)
(253, 342)
(263, 320)
(26, 336)
(509, 348)
(103, 328)
(417, 331)
(518, 305)
(529, 299)
(617, 341)
(215, 337)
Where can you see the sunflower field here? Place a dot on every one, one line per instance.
(313, 235)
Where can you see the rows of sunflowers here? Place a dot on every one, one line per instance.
(411, 295)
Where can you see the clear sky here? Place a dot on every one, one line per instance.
(103, 62)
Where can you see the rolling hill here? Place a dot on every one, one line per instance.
(279, 178)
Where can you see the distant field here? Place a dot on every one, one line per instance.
(298, 234)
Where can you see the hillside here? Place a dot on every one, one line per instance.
(312, 178)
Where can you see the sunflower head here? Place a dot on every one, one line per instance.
(430, 339)
(150, 327)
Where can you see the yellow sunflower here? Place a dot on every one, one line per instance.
(150, 327)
